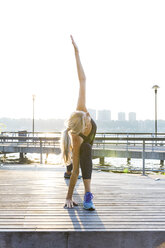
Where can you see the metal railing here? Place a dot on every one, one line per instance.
(102, 141)
(106, 134)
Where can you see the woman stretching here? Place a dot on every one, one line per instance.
(77, 141)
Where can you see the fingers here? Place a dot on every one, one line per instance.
(70, 204)
(72, 39)
(74, 44)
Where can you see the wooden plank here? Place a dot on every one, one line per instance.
(85, 225)
(83, 218)
(65, 214)
(83, 221)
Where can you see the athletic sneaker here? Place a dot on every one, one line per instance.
(88, 204)
(68, 176)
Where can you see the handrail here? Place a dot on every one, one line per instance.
(15, 132)
(29, 138)
(100, 133)
(96, 138)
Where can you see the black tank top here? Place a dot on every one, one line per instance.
(90, 138)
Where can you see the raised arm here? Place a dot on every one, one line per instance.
(81, 104)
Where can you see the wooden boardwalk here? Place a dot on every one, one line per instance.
(32, 199)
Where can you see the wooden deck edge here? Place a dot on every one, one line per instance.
(93, 239)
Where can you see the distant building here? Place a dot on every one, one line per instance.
(104, 115)
(121, 116)
(132, 116)
(92, 113)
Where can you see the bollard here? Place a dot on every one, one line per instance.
(102, 160)
(21, 156)
(128, 160)
(161, 163)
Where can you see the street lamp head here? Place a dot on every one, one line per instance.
(155, 87)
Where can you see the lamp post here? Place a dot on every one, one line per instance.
(33, 97)
(155, 87)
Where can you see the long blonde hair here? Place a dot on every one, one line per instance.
(74, 124)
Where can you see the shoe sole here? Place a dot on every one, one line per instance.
(90, 209)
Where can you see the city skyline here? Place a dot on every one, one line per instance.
(128, 116)
(105, 115)
(55, 125)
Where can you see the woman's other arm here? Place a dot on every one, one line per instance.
(73, 179)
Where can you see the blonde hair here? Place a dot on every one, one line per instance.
(75, 124)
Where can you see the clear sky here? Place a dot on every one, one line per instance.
(121, 44)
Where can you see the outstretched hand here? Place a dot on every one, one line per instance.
(74, 44)
(70, 204)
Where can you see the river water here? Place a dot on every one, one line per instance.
(111, 164)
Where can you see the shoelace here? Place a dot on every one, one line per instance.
(88, 197)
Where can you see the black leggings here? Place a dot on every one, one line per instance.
(85, 161)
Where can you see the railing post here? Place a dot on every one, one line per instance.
(143, 156)
(152, 142)
(134, 140)
(104, 142)
(40, 151)
(127, 141)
